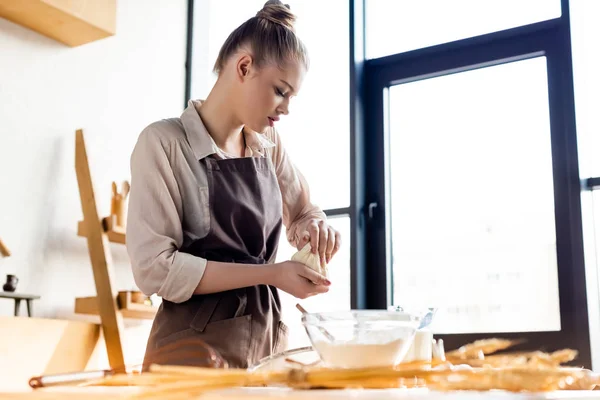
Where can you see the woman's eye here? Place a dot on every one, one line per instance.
(279, 92)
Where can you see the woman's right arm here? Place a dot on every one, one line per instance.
(154, 230)
(155, 234)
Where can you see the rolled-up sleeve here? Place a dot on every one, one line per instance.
(154, 224)
(298, 210)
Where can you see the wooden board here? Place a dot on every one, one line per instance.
(391, 394)
(36, 346)
(89, 305)
(282, 393)
(71, 393)
(72, 22)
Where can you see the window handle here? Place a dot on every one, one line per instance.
(371, 210)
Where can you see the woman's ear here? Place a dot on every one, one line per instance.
(243, 67)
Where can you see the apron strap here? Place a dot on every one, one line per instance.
(207, 309)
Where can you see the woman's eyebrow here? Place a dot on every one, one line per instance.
(290, 86)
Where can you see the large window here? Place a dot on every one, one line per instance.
(316, 133)
(472, 175)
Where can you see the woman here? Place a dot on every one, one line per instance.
(210, 192)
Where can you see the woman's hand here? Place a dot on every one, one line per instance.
(323, 239)
(297, 279)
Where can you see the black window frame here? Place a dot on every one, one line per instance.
(548, 38)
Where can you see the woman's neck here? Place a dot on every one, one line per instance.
(221, 123)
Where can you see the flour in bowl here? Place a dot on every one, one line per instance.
(361, 355)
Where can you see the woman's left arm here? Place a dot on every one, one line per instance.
(303, 220)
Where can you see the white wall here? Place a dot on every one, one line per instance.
(112, 89)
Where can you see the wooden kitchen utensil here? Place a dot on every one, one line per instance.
(118, 207)
(4, 252)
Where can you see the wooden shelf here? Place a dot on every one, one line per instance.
(71, 22)
(89, 305)
(115, 234)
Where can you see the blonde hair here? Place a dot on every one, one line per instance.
(270, 36)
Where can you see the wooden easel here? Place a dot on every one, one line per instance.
(108, 303)
(98, 247)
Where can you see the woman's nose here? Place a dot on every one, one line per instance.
(284, 108)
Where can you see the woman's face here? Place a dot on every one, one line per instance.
(265, 93)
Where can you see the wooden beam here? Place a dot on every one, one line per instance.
(4, 252)
(100, 257)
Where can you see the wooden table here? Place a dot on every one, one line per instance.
(17, 297)
(116, 393)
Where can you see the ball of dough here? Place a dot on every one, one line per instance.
(312, 261)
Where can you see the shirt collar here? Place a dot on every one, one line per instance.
(202, 143)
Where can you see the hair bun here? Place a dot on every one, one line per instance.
(277, 12)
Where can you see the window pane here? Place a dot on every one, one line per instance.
(585, 36)
(394, 26)
(338, 297)
(317, 130)
(472, 199)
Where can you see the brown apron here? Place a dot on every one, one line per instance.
(242, 325)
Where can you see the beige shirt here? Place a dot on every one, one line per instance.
(169, 200)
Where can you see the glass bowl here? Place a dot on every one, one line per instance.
(361, 338)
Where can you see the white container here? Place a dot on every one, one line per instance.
(421, 348)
